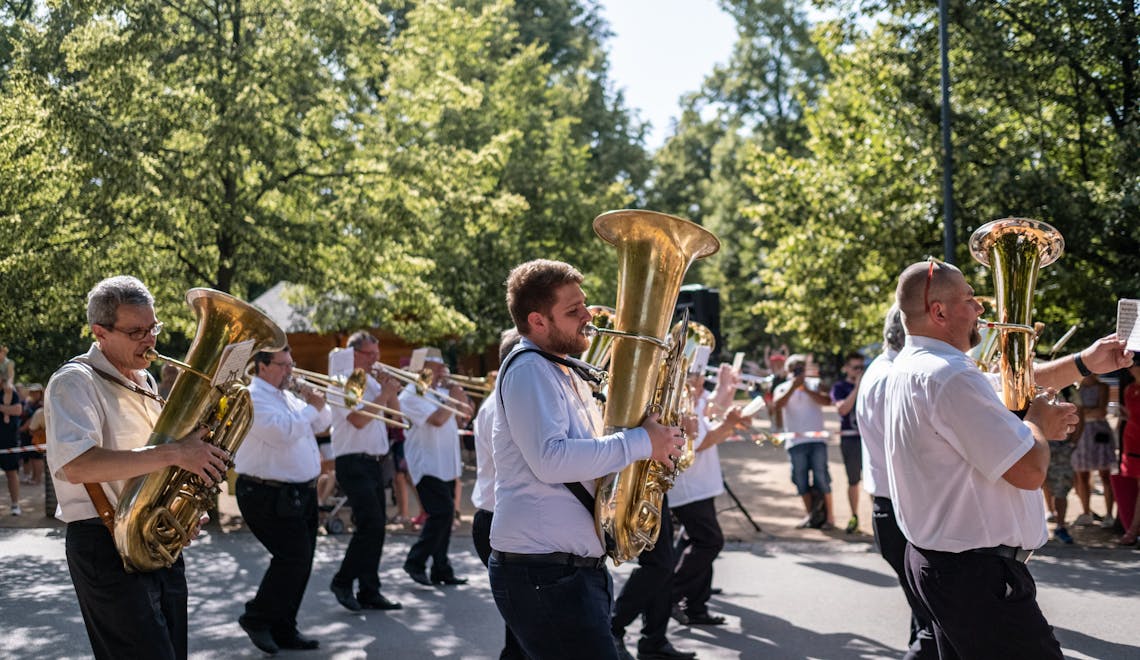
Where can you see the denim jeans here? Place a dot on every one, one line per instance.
(811, 456)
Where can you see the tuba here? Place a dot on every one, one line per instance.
(1016, 249)
(654, 251)
(157, 512)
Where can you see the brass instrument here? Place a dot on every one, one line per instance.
(472, 385)
(158, 512)
(697, 336)
(764, 382)
(423, 384)
(347, 393)
(654, 251)
(598, 353)
(1016, 249)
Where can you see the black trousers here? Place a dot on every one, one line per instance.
(648, 591)
(127, 615)
(438, 500)
(692, 581)
(363, 484)
(284, 520)
(892, 547)
(983, 606)
(481, 537)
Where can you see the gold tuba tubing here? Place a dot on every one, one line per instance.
(1016, 249)
(157, 512)
(654, 252)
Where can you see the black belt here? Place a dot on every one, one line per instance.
(379, 458)
(1008, 551)
(278, 484)
(558, 558)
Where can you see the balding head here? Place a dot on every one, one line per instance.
(913, 294)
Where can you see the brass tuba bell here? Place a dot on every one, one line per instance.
(1016, 249)
(158, 511)
(654, 252)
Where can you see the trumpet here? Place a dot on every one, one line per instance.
(348, 393)
(422, 382)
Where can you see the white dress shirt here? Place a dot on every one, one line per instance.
(430, 450)
(703, 479)
(545, 434)
(83, 410)
(372, 438)
(949, 439)
(281, 444)
(483, 494)
(869, 411)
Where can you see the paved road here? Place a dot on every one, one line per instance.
(783, 599)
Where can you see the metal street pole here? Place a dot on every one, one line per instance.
(947, 154)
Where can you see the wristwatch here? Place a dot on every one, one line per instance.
(1081, 365)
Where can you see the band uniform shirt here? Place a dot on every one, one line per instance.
(281, 444)
(546, 434)
(801, 415)
(949, 439)
(430, 450)
(83, 410)
(703, 479)
(372, 438)
(869, 412)
(483, 494)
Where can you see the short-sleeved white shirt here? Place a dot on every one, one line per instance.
(83, 410)
(372, 438)
(949, 439)
(703, 479)
(869, 411)
(430, 450)
(483, 494)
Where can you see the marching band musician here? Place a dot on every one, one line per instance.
(891, 542)
(360, 445)
(277, 466)
(483, 492)
(100, 409)
(547, 566)
(432, 450)
(964, 471)
(693, 498)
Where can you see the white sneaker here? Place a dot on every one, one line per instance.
(1108, 523)
(1083, 520)
(16, 510)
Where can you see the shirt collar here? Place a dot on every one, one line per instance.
(931, 344)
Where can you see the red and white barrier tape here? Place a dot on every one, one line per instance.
(20, 450)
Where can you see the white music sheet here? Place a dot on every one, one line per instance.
(1127, 328)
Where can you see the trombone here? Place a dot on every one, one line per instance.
(479, 387)
(350, 391)
(422, 383)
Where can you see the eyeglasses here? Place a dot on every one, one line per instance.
(929, 277)
(138, 334)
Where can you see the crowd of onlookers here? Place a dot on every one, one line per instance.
(21, 431)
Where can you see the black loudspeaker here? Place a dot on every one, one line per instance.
(703, 304)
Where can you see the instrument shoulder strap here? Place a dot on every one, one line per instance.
(95, 491)
(587, 373)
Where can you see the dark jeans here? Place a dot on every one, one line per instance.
(481, 537)
(360, 479)
(438, 500)
(692, 581)
(983, 606)
(284, 520)
(892, 547)
(128, 615)
(649, 590)
(557, 612)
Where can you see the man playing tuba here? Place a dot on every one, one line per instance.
(547, 565)
(100, 409)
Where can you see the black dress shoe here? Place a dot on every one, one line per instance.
(419, 575)
(705, 619)
(623, 652)
(261, 637)
(345, 598)
(296, 642)
(377, 602)
(679, 614)
(666, 652)
(448, 580)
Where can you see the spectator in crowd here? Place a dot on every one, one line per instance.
(843, 395)
(1130, 461)
(1059, 477)
(800, 403)
(1095, 451)
(33, 457)
(10, 407)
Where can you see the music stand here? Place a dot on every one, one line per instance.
(740, 506)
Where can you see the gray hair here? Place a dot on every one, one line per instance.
(104, 299)
(894, 334)
(360, 338)
(508, 339)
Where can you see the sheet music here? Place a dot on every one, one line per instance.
(1126, 326)
(341, 361)
(235, 357)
